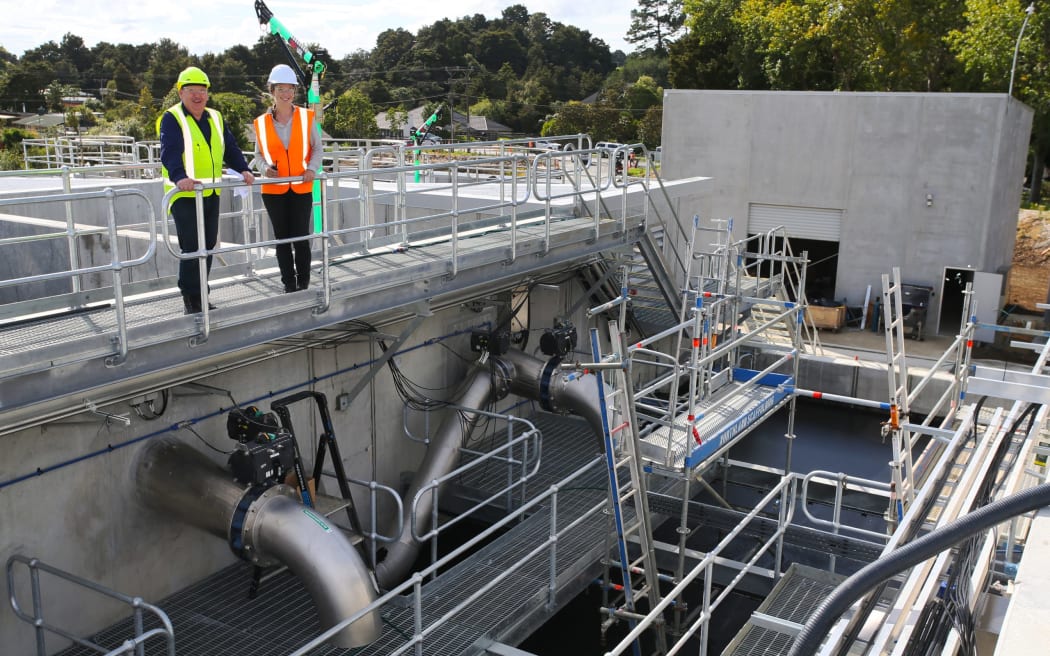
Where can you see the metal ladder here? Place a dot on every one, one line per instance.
(628, 499)
(903, 485)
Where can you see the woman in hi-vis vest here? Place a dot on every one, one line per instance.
(288, 144)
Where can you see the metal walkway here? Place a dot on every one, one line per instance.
(379, 253)
(216, 616)
(771, 629)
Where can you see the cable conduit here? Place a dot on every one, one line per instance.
(856, 586)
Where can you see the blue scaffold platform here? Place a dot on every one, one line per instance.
(721, 420)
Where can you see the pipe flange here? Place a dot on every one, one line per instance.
(245, 516)
(501, 373)
(547, 401)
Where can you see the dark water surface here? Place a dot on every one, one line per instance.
(828, 436)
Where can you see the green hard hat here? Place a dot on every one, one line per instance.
(192, 75)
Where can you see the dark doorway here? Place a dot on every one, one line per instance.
(952, 299)
(822, 270)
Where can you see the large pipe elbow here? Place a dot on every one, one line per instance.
(516, 372)
(557, 391)
(326, 562)
(180, 482)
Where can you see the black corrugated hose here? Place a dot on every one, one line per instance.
(911, 554)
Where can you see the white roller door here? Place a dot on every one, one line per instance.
(800, 222)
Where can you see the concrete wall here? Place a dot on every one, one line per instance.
(82, 515)
(875, 157)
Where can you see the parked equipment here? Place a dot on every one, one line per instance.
(915, 300)
(325, 442)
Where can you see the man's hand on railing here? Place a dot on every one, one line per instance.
(187, 184)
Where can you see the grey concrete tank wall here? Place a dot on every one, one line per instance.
(875, 157)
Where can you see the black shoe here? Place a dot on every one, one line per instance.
(193, 305)
(289, 289)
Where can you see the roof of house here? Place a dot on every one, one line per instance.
(42, 120)
(418, 116)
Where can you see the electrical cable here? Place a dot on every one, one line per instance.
(955, 610)
(206, 442)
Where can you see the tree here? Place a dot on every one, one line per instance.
(398, 117)
(78, 55)
(497, 48)
(147, 107)
(391, 47)
(986, 45)
(238, 111)
(572, 118)
(54, 94)
(642, 95)
(166, 62)
(351, 115)
(655, 23)
(705, 57)
(24, 84)
(650, 127)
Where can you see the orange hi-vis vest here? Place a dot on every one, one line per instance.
(290, 162)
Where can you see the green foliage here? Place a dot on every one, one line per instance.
(79, 118)
(986, 46)
(11, 148)
(351, 116)
(654, 23)
(11, 138)
(650, 127)
(237, 112)
(858, 45)
(11, 160)
(131, 126)
(572, 118)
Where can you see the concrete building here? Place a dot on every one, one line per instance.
(928, 182)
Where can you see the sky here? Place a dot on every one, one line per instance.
(340, 26)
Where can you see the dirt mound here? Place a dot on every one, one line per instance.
(1029, 278)
(1033, 238)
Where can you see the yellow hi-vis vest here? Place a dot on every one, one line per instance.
(290, 162)
(206, 163)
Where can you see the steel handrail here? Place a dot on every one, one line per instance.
(782, 493)
(41, 625)
(529, 466)
(841, 481)
(415, 583)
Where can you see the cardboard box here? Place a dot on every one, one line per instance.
(831, 318)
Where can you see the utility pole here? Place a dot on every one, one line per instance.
(451, 70)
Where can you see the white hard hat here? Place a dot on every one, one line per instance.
(282, 74)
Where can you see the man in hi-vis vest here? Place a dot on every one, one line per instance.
(288, 145)
(194, 145)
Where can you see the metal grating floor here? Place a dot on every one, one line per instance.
(795, 597)
(215, 616)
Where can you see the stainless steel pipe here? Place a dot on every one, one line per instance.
(518, 372)
(179, 481)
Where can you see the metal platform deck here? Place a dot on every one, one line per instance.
(792, 601)
(721, 420)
